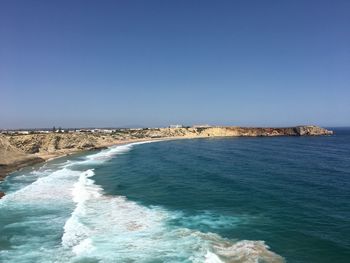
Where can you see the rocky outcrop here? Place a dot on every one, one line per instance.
(13, 158)
(17, 151)
(312, 131)
(232, 131)
(38, 143)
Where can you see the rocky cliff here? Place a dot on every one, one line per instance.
(239, 131)
(17, 151)
(12, 158)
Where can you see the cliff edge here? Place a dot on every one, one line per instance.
(17, 151)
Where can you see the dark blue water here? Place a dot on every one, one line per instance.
(199, 200)
(292, 192)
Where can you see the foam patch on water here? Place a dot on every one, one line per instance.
(76, 232)
(247, 251)
(33, 217)
(109, 153)
(208, 220)
(54, 187)
(212, 258)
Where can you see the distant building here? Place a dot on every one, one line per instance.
(106, 130)
(176, 126)
(42, 131)
(23, 132)
(201, 126)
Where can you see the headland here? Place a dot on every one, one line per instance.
(18, 150)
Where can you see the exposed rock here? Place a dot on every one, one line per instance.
(13, 158)
(17, 151)
(2, 194)
(312, 131)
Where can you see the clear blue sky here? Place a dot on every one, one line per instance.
(153, 63)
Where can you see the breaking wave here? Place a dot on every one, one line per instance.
(104, 228)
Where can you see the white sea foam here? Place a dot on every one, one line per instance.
(54, 187)
(75, 232)
(107, 154)
(39, 213)
(212, 258)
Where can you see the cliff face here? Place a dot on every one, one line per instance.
(13, 158)
(17, 151)
(50, 143)
(236, 131)
(312, 131)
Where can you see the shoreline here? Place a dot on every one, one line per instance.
(20, 151)
(43, 158)
(47, 157)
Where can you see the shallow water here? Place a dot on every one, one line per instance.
(201, 200)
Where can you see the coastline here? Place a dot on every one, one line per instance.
(19, 151)
(26, 161)
(6, 170)
(46, 157)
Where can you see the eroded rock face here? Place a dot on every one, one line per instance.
(2, 194)
(51, 143)
(312, 131)
(17, 151)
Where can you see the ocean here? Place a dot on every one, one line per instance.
(244, 199)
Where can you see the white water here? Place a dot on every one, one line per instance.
(102, 228)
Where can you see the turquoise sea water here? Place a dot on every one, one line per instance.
(281, 199)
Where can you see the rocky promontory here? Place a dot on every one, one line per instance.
(17, 151)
